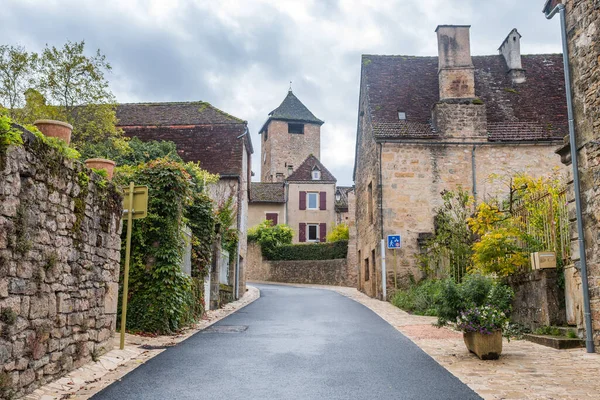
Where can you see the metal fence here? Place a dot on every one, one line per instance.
(547, 222)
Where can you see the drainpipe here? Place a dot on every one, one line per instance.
(589, 341)
(474, 170)
(383, 271)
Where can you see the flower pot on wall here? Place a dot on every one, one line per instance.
(102, 163)
(484, 346)
(57, 129)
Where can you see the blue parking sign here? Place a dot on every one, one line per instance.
(394, 241)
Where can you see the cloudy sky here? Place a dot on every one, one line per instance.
(241, 55)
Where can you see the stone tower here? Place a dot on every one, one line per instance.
(289, 136)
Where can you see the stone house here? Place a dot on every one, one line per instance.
(296, 188)
(205, 134)
(583, 18)
(428, 124)
(342, 214)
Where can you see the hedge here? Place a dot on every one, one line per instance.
(313, 251)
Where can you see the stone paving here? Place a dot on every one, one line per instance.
(88, 380)
(524, 371)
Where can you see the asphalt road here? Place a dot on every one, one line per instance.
(293, 343)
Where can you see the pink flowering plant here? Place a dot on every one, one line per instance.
(485, 319)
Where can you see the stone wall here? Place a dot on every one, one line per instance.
(583, 25)
(368, 216)
(415, 175)
(539, 301)
(352, 257)
(59, 265)
(316, 272)
(282, 148)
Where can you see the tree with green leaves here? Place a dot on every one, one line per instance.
(17, 74)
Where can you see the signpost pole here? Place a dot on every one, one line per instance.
(383, 271)
(395, 271)
(126, 272)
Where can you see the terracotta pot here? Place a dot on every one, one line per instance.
(102, 163)
(486, 347)
(57, 129)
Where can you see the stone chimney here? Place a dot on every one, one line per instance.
(455, 69)
(510, 49)
(459, 115)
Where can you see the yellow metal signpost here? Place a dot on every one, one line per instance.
(135, 206)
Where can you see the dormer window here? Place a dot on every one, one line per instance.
(316, 175)
(401, 115)
(296, 128)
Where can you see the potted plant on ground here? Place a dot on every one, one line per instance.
(482, 330)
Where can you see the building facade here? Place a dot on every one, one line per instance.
(583, 18)
(429, 124)
(218, 141)
(295, 188)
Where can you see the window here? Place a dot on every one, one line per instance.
(401, 115)
(370, 203)
(316, 175)
(313, 232)
(266, 135)
(273, 217)
(367, 274)
(373, 260)
(313, 201)
(296, 128)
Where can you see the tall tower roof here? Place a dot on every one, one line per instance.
(292, 109)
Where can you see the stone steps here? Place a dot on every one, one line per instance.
(556, 342)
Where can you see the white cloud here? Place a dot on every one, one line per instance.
(241, 55)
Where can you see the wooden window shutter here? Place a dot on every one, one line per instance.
(323, 201)
(322, 232)
(273, 217)
(302, 232)
(303, 201)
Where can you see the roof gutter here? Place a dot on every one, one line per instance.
(589, 341)
(487, 143)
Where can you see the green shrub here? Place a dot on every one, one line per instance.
(269, 236)
(310, 251)
(422, 299)
(340, 232)
(446, 298)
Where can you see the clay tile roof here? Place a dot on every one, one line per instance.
(304, 172)
(267, 192)
(184, 113)
(533, 110)
(292, 109)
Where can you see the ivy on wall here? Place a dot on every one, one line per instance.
(162, 298)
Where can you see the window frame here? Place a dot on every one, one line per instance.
(316, 196)
(318, 175)
(316, 227)
(293, 128)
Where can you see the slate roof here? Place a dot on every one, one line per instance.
(292, 109)
(304, 172)
(533, 110)
(177, 113)
(261, 192)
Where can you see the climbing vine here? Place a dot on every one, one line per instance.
(162, 298)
